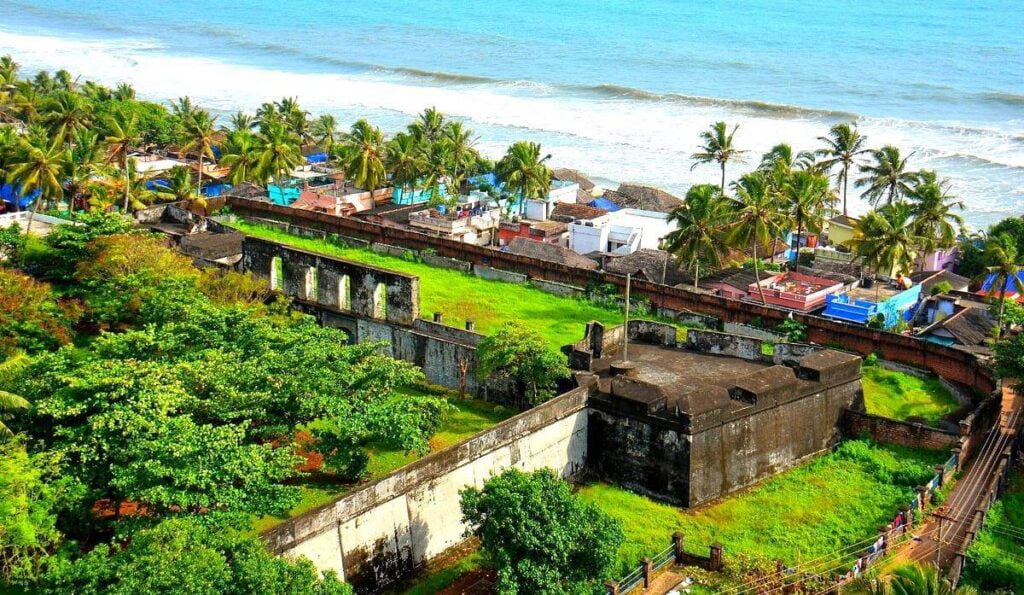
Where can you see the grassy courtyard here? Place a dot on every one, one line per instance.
(831, 502)
(468, 417)
(898, 395)
(462, 296)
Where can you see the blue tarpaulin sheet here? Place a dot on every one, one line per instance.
(10, 193)
(604, 203)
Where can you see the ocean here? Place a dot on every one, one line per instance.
(618, 89)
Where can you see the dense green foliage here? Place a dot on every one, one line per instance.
(898, 395)
(187, 417)
(519, 355)
(189, 555)
(538, 535)
(996, 558)
(820, 507)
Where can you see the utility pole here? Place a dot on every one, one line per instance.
(625, 327)
(940, 513)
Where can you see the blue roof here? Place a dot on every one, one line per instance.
(1010, 287)
(604, 203)
(9, 191)
(316, 158)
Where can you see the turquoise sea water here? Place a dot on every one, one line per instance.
(617, 88)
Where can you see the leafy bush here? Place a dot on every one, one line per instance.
(32, 319)
(794, 330)
(539, 536)
(941, 288)
(520, 355)
(12, 242)
(871, 359)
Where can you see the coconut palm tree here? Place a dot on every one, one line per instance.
(240, 121)
(717, 148)
(199, 136)
(65, 113)
(178, 187)
(325, 131)
(132, 188)
(364, 156)
(886, 176)
(428, 127)
(11, 403)
(804, 196)
(885, 240)
(241, 154)
(462, 143)
(935, 219)
(84, 155)
(124, 92)
(1003, 265)
(278, 152)
(842, 146)
(406, 162)
(437, 174)
(701, 234)
(123, 134)
(915, 579)
(525, 172)
(38, 167)
(758, 218)
(183, 109)
(782, 158)
(25, 101)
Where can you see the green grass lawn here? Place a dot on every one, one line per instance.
(444, 577)
(468, 417)
(833, 501)
(996, 560)
(897, 395)
(460, 296)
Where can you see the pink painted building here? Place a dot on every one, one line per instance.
(796, 291)
(942, 259)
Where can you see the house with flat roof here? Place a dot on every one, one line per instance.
(622, 232)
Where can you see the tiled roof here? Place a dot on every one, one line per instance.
(550, 253)
(568, 212)
(651, 264)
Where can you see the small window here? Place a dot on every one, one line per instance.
(380, 301)
(344, 293)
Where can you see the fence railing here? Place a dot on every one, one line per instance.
(675, 553)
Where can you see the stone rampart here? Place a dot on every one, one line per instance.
(383, 531)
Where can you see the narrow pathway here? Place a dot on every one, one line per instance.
(942, 534)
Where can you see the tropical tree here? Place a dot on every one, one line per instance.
(525, 172)
(886, 176)
(123, 134)
(199, 136)
(239, 121)
(178, 187)
(437, 163)
(884, 238)
(520, 355)
(1003, 265)
(278, 152)
(913, 579)
(538, 535)
(364, 155)
(842, 146)
(933, 210)
(460, 140)
(26, 100)
(782, 158)
(66, 113)
(85, 154)
(428, 127)
(183, 109)
(11, 403)
(125, 185)
(38, 167)
(701, 233)
(804, 197)
(758, 218)
(325, 131)
(405, 161)
(717, 147)
(124, 92)
(241, 154)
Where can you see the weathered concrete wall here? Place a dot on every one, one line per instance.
(383, 531)
(890, 431)
(555, 288)
(493, 274)
(363, 290)
(447, 263)
(389, 250)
